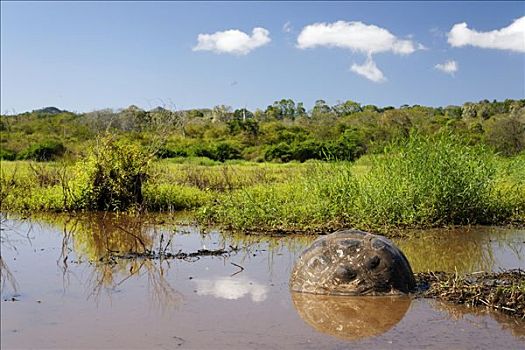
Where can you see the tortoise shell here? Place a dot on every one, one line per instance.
(352, 262)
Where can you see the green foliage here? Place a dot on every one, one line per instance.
(44, 151)
(256, 134)
(261, 207)
(348, 147)
(425, 182)
(281, 151)
(111, 177)
(6, 154)
(415, 165)
(165, 152)
(220, 151)
(419, 182)
(225, 151)
(170, 197)
(506, 133)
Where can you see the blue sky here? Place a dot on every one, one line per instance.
(92, 55)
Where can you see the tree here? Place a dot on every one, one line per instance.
(347, 108)
(221, 113)
(370, 108)
(242, 114)
(468, 110)
(453, 112)
(321, 109)
(300, 111)
(195, 113)
(506, 134)
(282, 109)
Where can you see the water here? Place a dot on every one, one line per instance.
(65, 297)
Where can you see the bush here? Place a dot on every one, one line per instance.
(203, 151)
(309, 149)
(225, 151)
(281, 152)
(171, 153)
(44, 151)
(221, 151)
(349, 146)
(111, 177)
(298, 150)
(6, 154)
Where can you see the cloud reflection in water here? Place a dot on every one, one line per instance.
(232, 288)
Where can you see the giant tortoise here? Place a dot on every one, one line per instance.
(352, 262)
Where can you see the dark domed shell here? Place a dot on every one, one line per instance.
(352, 262)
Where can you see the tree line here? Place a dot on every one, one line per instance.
(284, 131)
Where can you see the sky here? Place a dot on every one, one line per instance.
(84, 56)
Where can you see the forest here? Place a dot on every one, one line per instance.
(285, 131)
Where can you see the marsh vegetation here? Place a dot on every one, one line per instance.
(280, 169)
(413, 183)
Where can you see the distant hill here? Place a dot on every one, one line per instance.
(48, 110)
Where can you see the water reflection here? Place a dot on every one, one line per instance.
(465, 249)
(6, 277)
(97, 238)
(350, 318)
(8, 242)
(232, 288)
(457, 312)
(91, 251)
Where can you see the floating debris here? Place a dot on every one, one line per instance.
(504, 291)
(151, 254)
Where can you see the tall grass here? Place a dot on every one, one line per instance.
(414, 183)
(424, 182)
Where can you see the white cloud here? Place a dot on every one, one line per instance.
(369, 70)
(356, 36)
(449, 67)
(287, 27)
(509, 38)
(233, 41)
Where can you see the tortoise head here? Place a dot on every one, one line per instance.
(352, 263)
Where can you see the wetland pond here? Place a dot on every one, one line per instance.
(78, 282)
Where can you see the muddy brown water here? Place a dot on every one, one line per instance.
(57, 293)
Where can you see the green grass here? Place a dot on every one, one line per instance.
(418, 183)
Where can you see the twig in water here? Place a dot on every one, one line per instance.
(239, 266)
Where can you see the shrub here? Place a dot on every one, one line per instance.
(171, 153)
(309, 149)
(349, 146)
(225, 151)
(281, 152)
(6, 154)
(203, 151)
(111, 177)
(221, 151)
(45, 151)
